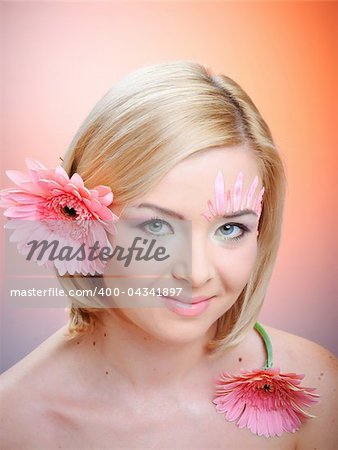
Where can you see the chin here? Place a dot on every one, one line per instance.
(182, 332)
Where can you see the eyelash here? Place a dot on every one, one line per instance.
(244, 228)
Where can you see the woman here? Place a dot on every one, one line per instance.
(193, 169)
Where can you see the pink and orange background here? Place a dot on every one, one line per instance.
(59, 58)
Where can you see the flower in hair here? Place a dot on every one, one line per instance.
(265, 401)
(48, 205)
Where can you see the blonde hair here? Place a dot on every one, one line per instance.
(147, 123)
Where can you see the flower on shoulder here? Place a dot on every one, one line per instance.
(265, 401)
(48, 205)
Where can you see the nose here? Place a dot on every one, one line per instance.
(195, 267)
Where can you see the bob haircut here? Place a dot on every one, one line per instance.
(147, 123)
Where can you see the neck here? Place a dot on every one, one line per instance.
(144, 362)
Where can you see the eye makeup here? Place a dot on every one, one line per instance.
(158, 227)
(228, 202)
(220, 235)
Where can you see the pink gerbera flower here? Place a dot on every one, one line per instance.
(49, 205)
(264, 400)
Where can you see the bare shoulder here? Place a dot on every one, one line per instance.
(17, 422)
(28, 391)
(296, 354)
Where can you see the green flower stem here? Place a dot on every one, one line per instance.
(267, 343)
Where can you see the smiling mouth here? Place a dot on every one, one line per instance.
(187, 303)
(187, 309)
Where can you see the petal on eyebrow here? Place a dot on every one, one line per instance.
(228, 200)
(252, 190)
(219, 193)
(207, 216)
(258, 207)
(238, 191)
(211, 208)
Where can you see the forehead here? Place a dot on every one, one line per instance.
(230, 160)
(190, 184)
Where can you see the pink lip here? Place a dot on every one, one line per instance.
(194, 307)
(189, 300)
(199, 299)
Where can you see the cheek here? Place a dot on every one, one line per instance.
(234, 266)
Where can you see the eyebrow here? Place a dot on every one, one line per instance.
(171, 213)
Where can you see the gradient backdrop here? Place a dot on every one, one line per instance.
(59, 58)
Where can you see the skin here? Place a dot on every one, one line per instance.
(220, 268)
(143, 379)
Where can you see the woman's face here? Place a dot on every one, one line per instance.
(211, 257)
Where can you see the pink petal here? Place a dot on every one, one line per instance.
(61, 175)
(211, 208)
(77, 180)
(105, 195)
(243, 420)
(103, 190)
(73, 266)
(87, 202)
(56, 192)
(99, 234)
(17, 177)
(207, 216)
(109, 226)
(275, 423)
(238, 191)
(251, 192)
(262, 423)
(77, 195)
(235, 410)
(258, 205)
(19, 213)
(93, 193)
(70, 188)
(22, 197)
(48, 184)
(219, 193)
(84, 192)
(252, 419)
(95, 205)
(106, 214)
(34, 164)
(228, 201)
